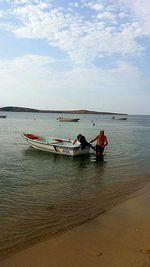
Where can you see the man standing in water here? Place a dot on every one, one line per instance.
(101, 142)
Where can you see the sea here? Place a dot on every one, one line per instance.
(43, 194)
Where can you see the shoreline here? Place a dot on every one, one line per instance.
(69, 111)
(118, 238)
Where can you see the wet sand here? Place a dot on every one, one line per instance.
(118, 238)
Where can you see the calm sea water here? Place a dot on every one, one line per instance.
(42, 194)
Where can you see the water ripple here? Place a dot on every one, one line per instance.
(43, 194)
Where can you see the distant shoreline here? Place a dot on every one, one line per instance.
(24, 109)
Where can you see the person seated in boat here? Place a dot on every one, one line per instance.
(101, 143)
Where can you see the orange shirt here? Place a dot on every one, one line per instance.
(101, 140)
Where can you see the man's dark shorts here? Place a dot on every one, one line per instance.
(99, 150)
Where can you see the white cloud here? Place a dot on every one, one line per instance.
(82, 38)
(107, 16)
(74, 4)
(95, 6)
(139, 10)
(85, 31)
(33, 79)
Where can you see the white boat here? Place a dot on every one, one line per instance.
(3, 116)
(61, 119)
(119, 118)
(56, 145)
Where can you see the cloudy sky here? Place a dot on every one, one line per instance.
(84, 54)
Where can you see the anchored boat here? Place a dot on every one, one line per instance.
(119, 118)
(56, 145)
(61, 119)
(3, 116)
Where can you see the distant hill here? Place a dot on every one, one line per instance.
(18, 109)
(81, 111)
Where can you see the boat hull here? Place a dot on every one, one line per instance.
(57, 146)
(120, 119)
(61, 119)
(3, 116)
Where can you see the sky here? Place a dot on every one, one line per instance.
(84, 54)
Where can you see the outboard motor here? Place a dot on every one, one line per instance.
(82, 140)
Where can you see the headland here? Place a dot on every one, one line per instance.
(79, 111)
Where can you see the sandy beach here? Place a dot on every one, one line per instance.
(118, 238)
